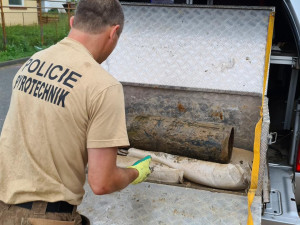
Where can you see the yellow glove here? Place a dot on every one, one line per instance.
(143, 167)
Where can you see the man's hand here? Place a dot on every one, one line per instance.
(142, 166)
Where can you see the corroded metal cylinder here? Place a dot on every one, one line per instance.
(205, 141)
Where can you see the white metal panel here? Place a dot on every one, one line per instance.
(211, 48)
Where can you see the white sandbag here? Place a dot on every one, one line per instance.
(160, 172)
(224, 176)
(244, 158)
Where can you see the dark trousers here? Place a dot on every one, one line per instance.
(37, 215)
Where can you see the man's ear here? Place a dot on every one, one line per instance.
(114, 31)
(71, 21)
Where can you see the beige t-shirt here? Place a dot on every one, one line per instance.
(62, 103)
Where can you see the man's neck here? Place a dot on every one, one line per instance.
(92, 42)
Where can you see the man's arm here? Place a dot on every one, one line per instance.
(104, 176)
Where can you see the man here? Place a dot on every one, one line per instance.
(66, 111)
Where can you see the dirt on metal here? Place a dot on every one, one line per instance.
(205, 141)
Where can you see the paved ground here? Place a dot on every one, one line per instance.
(6, 76)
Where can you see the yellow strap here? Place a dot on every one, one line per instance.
(256, 147)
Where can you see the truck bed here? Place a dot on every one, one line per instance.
(203, 63)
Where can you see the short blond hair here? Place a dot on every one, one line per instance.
(92, 16)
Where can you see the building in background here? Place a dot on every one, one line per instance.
(20, 12)
(53, 5)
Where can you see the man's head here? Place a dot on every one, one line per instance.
(93, 16)
(97, 24)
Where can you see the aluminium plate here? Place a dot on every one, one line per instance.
(263, 168)
(195, 47)
(159, 204)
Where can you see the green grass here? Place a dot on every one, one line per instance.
(23, 41)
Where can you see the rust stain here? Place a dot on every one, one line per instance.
(244, 107)
(217, 114)
(181, 108)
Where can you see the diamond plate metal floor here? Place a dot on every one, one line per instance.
(149, 203)
(192, 47)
